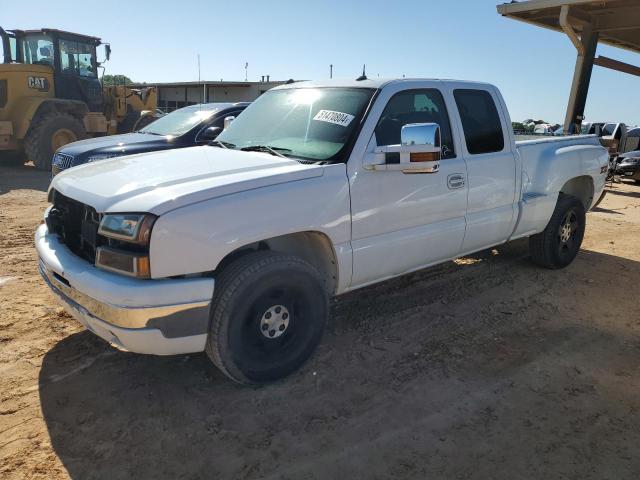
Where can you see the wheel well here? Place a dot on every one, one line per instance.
(313, 247)
(581, 188)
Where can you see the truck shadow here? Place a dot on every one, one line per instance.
(118, 415)
(23, 177)
(624, 193)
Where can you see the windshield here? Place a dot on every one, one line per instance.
(178, 122)
(77, 58)
(608, 129)
(310, 123)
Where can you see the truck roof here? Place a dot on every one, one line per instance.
(369, 82)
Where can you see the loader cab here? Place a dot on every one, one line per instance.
(72, 58)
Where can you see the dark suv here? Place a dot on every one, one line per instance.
(185, 127)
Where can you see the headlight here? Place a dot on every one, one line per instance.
(102, 156)
(128, 227)
(128, 237)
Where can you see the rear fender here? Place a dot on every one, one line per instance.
(578, 170)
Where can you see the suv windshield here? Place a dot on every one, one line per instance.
(310, 123)
(178, 122)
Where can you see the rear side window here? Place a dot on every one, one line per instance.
(480, 121)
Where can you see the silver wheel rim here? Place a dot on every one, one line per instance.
(565, 232)
(274, 321)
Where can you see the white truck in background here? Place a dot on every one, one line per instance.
(316, 189)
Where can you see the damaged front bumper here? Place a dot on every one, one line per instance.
(159, 317)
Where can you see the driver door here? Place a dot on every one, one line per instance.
(400, 221)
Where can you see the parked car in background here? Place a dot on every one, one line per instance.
(185, 127)
(614, 137)
(592, 128)
(317, 189)
(543, 129)
(628, 163)
(633, 141)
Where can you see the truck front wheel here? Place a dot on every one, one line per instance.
(268, 314)
(559, 243)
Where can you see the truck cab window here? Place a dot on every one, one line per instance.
(480, 121)
(414, 106)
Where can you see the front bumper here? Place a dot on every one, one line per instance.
(160, 317)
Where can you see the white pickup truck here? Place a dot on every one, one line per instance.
(318, 188)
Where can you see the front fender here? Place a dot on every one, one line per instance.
(195, 238)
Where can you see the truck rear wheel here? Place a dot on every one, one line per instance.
(268, 314)
(559, 243)
(48, 133)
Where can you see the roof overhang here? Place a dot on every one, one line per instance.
(616, 21)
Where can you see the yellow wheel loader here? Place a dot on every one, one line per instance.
(50, 95)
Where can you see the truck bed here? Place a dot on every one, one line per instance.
(524, 139)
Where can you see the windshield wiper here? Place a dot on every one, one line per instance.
(267, 149)
(222, 144)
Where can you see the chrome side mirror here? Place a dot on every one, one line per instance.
(228, 120)
(424, 138)
(420, 151)
(427, 134)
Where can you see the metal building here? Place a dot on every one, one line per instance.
(586, 23)
(175, 95)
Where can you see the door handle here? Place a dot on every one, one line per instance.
(455, 180)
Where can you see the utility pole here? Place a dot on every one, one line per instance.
(331, 71)
(246, 66)
(202, 99)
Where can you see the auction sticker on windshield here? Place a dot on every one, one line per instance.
(337, 118)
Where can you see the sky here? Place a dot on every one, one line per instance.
(159, 41)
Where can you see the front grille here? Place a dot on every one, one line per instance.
(76, 224)
(3, 93)
(61, 161)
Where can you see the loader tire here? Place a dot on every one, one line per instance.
(13, 159)
(559, 243)
(48, 133)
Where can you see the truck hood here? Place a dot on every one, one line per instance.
(162, 181)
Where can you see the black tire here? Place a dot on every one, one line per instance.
(248, 294)
(39, 141)
(559, 243)
(14, 159)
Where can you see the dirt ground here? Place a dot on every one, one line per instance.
(487, 367)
